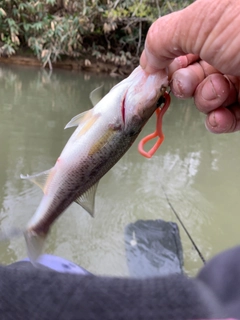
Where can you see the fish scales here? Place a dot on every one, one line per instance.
(88, 172)
(102, 137)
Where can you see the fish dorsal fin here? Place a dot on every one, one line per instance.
(75, 121)
(96, 95)
(39, 179)
(87, 200)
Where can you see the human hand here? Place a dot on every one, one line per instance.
(200, 46)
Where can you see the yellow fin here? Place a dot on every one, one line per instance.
(87, 200)
(39, 179)
(87, 125)
(96, 95)
(75, 121)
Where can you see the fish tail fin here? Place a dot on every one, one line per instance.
(35, 244)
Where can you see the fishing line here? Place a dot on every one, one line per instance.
(184, 228)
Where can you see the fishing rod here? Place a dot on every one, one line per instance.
(184, 228)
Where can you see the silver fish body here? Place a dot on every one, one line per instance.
(103, 135)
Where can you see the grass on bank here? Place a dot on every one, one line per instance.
(111, 31)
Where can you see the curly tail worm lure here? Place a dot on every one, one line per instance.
(157, 133)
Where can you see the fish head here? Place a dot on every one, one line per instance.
(143, 93)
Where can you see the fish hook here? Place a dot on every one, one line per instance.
(157, 133)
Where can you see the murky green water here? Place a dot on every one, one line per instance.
(199, 171)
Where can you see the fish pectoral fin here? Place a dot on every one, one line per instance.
(96, 95)
(87, 200)
(75, 121)
(39, 179)
(35, 245)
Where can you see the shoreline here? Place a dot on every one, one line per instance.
(86, 65)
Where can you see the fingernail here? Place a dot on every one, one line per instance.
(183, 83)
(208, 91)
(212, 120)
(177, 88)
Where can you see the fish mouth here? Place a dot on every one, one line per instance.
(151, 104)
(161, 100)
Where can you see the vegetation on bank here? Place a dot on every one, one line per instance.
(112, 31)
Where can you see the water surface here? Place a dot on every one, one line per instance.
(199, 171)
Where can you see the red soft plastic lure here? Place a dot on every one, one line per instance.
(157, 133)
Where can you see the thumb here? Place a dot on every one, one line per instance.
(180, 33)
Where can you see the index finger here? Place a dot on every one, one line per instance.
(180, 33)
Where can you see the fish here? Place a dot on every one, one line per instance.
(103, 135)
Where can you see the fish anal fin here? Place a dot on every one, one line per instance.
(96, 95)
(87, 200)
(40, 179)
(35, 244)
